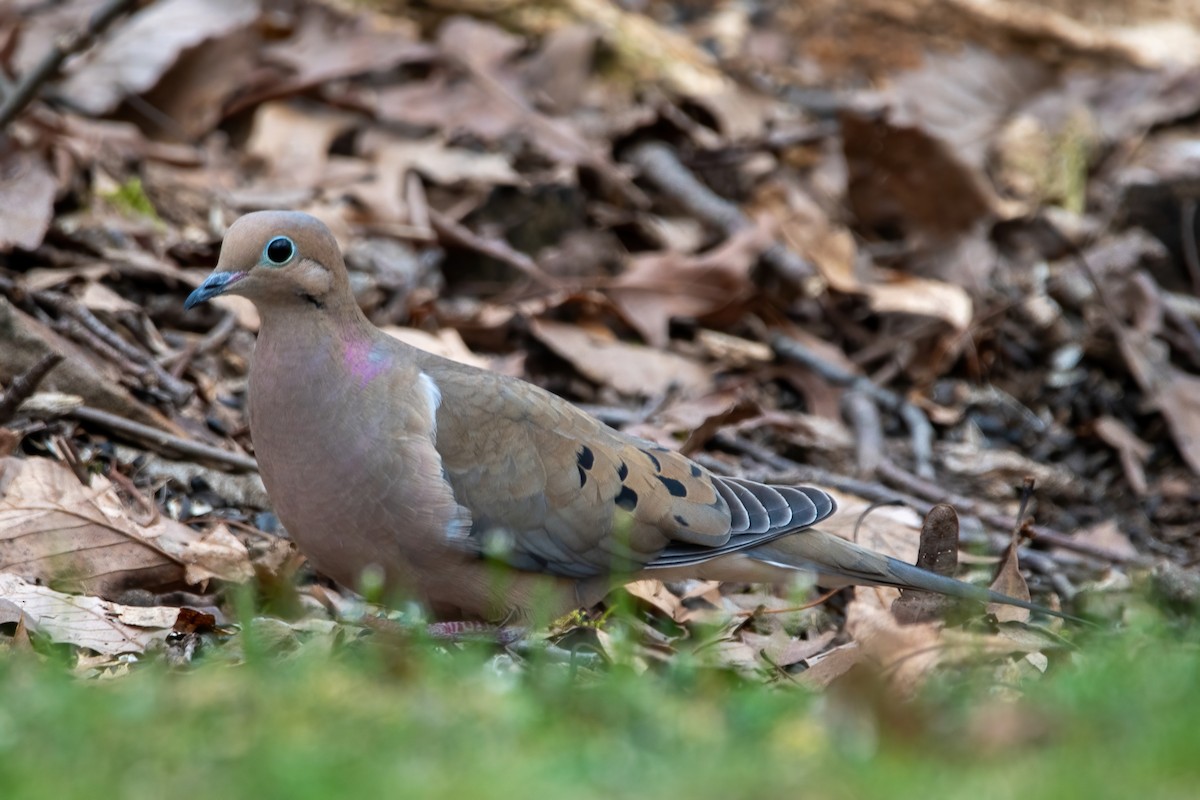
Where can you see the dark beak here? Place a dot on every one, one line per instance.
(213, 285)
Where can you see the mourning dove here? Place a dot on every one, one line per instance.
(482, 495)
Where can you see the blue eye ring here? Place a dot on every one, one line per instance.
(279, 251)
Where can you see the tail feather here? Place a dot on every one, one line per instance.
(833, 556)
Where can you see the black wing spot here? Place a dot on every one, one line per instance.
(683, 522)
(622, 471)
(653, 460)
(582, 477)
(585, 457)
(696, 473)
(676, 488)
(627, 498)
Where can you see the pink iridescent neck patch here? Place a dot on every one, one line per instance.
(364, 361)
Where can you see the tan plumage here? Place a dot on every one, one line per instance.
(379, 455)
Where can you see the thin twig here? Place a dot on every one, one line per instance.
(791, 609)
(449, 230)
(552, 129)
(890, 471)
(180, 361)
(863, 415)
(63, 48)
(26, 384)
(919, 428)
(151, 371)
(659, 165)
(162, 442)
(74, 329)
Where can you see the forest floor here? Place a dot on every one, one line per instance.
(913, 253)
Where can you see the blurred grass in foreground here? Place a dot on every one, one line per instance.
(1121, 721)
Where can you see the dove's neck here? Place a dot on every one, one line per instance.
(314, 372)
(311, 344)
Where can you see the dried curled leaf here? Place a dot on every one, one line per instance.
(108, 628)
(55, 530)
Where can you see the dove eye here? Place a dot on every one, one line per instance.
(279, 251)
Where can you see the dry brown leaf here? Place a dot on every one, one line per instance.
(1107, 537)
(450, 106)
(658, 287)
(903, 178)
(142, 49)
(488, 101)
(925, 297)
(559, 73)
(108, 628)
(1011, 582)
(1132, 450)
(329, 46)
(700, 418)
(906, 654)
(27, 191)
(733, 351)
(190, 99)
(783, 649)
(39, 279)
(1152, 43)
(741, 113)
(831, 665)
(439, 162)
(808, 230)
(938, 553)
(1175, 393)
(81, 373)
(965, 97)
(55, 530)
(892, 165)
(996, 472)
(98, 297)
(657, 595)
(651, 50)
(630, 369)
(294, 142)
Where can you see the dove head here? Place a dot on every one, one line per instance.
(282, 261)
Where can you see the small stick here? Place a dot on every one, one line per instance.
(73, 328)
(180, 361)
(178, 391)
(64, 47)
(456, 233)
(863, 416)
(161, 441)
(889, 470)
(659, 165)
(792, 609)
(919, 428)
(26, 384)
(551, 129)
